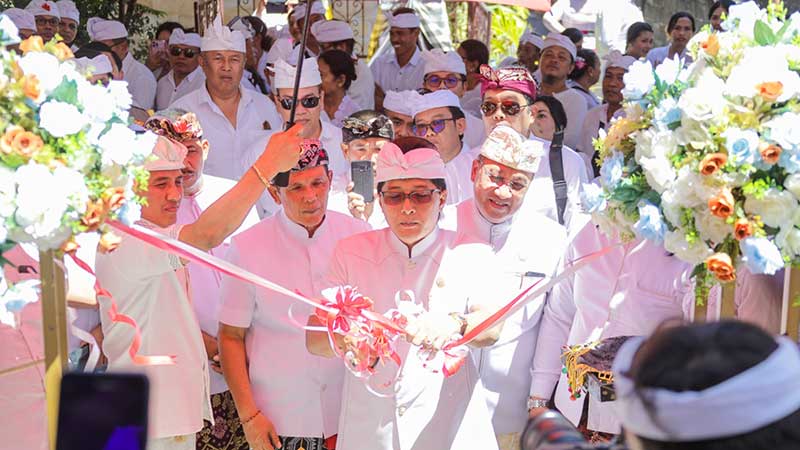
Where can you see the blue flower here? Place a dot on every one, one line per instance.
(129, 213)
(650, 225)
(761, 255)
(742, 146)
(611, 170)
(790, 161)
(592, 198)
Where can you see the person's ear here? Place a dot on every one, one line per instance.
(442, 200)
(205, 145)
(476, 166)
(273, 192)
(461, 125)
(341, 80)
(345, 150)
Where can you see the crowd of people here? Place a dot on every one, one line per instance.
(476, 175)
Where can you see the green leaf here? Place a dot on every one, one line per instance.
(764, 34)
(66, 92)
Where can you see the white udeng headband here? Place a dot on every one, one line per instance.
(757, 397)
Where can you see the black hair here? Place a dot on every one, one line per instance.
(589, 57)
(260, 29)
(476, 51)
(403, 10)
(340, 63)
(556, 110)
(350, 44)
(698, 356)
(575, 35)
(637, 29)
(409, 143)
(102, 48)
(169, 26)
(677, 16)
(725, 5)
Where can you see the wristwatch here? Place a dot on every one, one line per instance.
(462, 322)
(534, 403)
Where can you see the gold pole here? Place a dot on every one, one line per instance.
(54, 324)
(790, 316)
(701, 311)
(728, 307)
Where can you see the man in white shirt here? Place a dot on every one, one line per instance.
(528, 51)
(151, 286)
(580, 14)
(199, 192)
(237, 121)
(526, 246)
(438, 118)
(403, 68)
(447, 71)
(556, 62)
(286, 397)
(507, 97)
(336, 34)
(186, 74)
(47, 17)
(141, 81)
(70, 21)
(399, 107)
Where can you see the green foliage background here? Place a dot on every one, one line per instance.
(508, 24)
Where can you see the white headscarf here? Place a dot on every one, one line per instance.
(101, 29)
(438, 61)
(68, 10)
(285, 73)
(425, 163)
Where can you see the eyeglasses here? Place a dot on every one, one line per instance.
(497, 180)
(436, 126)
(187, 52)
(509, 108)
(421, 197)
(306, 102)
(450, 81)
(41, 21)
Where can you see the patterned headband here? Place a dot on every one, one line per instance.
(354, 128)
(313, 155)
(514, 78)
(182, 128)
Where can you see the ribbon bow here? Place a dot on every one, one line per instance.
(422, 163)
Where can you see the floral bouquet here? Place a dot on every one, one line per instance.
(706, 160)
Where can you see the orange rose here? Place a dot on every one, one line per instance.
(711, 45)
(27, 144)
(62, 52)
(721, 205)
(32, 44)
(69, 246)
(30, 87)
(7, 141)
(721, 266)
(770, 153)
(93, 217)
(742, 229)
(108, 242)
(712, 162)
(114, 198)
(770, 90)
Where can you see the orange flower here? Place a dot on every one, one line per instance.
(108, 242)
(26, 144)
(721, 205)
(62, 52)
(32, 44)
(770, 153)
(721, 266)
(7, 141)
(711, 45)
(69, 246)
(30, 86)
(742, 229)
(114, 198)
(770, 90)
(93, 217)
(712, 162)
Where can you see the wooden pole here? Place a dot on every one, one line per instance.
(728, 305)
(54, 324)
(790, 314)
(700, 311)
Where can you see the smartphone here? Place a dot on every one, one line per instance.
(102, 412)
(363, 179)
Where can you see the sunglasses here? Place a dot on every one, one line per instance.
(450, 81)
(509, 108)
(421, 197)
(187, 52)
(436, 126)
(306, 102)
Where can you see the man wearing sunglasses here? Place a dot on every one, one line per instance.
(70, 21)
(47, 18)
(438, 118)
(447, 71)
(186, 74)
(141, 81)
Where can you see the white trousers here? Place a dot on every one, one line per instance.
(186, 442)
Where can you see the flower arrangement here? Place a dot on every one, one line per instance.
(706, 160)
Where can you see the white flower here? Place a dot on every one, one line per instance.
(776, 207)
(690, 188)
(45, 67)
(40, 206)
(792, 184)
(61, 119)
(669, 69)
(704, 101)
(693, 133)
(8, 191)
(789, 241)
(120, 94)
(761, 65)
(659, 173)
(10, 32)
(96, 103)
(711, 227)
(145, 143)
(639, 80)
(694, 253)
(784, 130)
(743, 18)
(666, 113)
(72, 187)
(118, 145)
(671, 207)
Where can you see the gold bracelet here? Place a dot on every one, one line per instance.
(260, 177)
(249, 419)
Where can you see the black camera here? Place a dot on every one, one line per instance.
(552, 431)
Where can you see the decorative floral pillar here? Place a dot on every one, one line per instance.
(54, 323)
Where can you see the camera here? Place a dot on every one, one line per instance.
(552, 431)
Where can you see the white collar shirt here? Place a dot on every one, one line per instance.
(151, 286)
(475, 133)
(457, 176)
(167, 92)
(362, 89)
(658, 55)
(595, 121)
(141, 82)
(346, 108)
(300, 393)
(574, 105)
(391, 77)
(471, 102)
(337, 201)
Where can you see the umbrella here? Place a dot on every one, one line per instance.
(536, 5)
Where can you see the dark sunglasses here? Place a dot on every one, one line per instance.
(187, 52)
(450, 81)
(306, 102)
(436, 126)
(509, 108)
(420, 197)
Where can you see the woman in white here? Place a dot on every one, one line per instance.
(337, 70)
(680, 30)
(412, 260)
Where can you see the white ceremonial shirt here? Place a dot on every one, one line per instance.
(471, 102)
(141, 82)
(457, 179)
(167, 93)
(362, 89)
(591, 99)
(526, 248)
(205, 282)
(346, 108)
(658, 55)
(575, 107)
(427, 411)
(300, 393)
(475, 133)
(151, 286)
(256, 119)
(391, 77)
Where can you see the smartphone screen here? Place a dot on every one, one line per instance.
(102, 412)
(363, 179)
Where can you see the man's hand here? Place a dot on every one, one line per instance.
(431, 330)
(212, 352)
(357, 206)
(282, 152)
(261, 434)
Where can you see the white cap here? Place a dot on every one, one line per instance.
(43, 8)
(24, 20)
(405, 20)
(100, 64)
(506, 146)
(280, 50)
(180, 37)
(218, 37)
(169, 155)
(616, 59)
(68, 10)
(331, 31)
(285, 72)
(237, 24)
(392, 164)
(299, 11)
(102, 29)
(438, 61)
(401, 102)
(437, 99)
(559, 40)
(531, 38)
